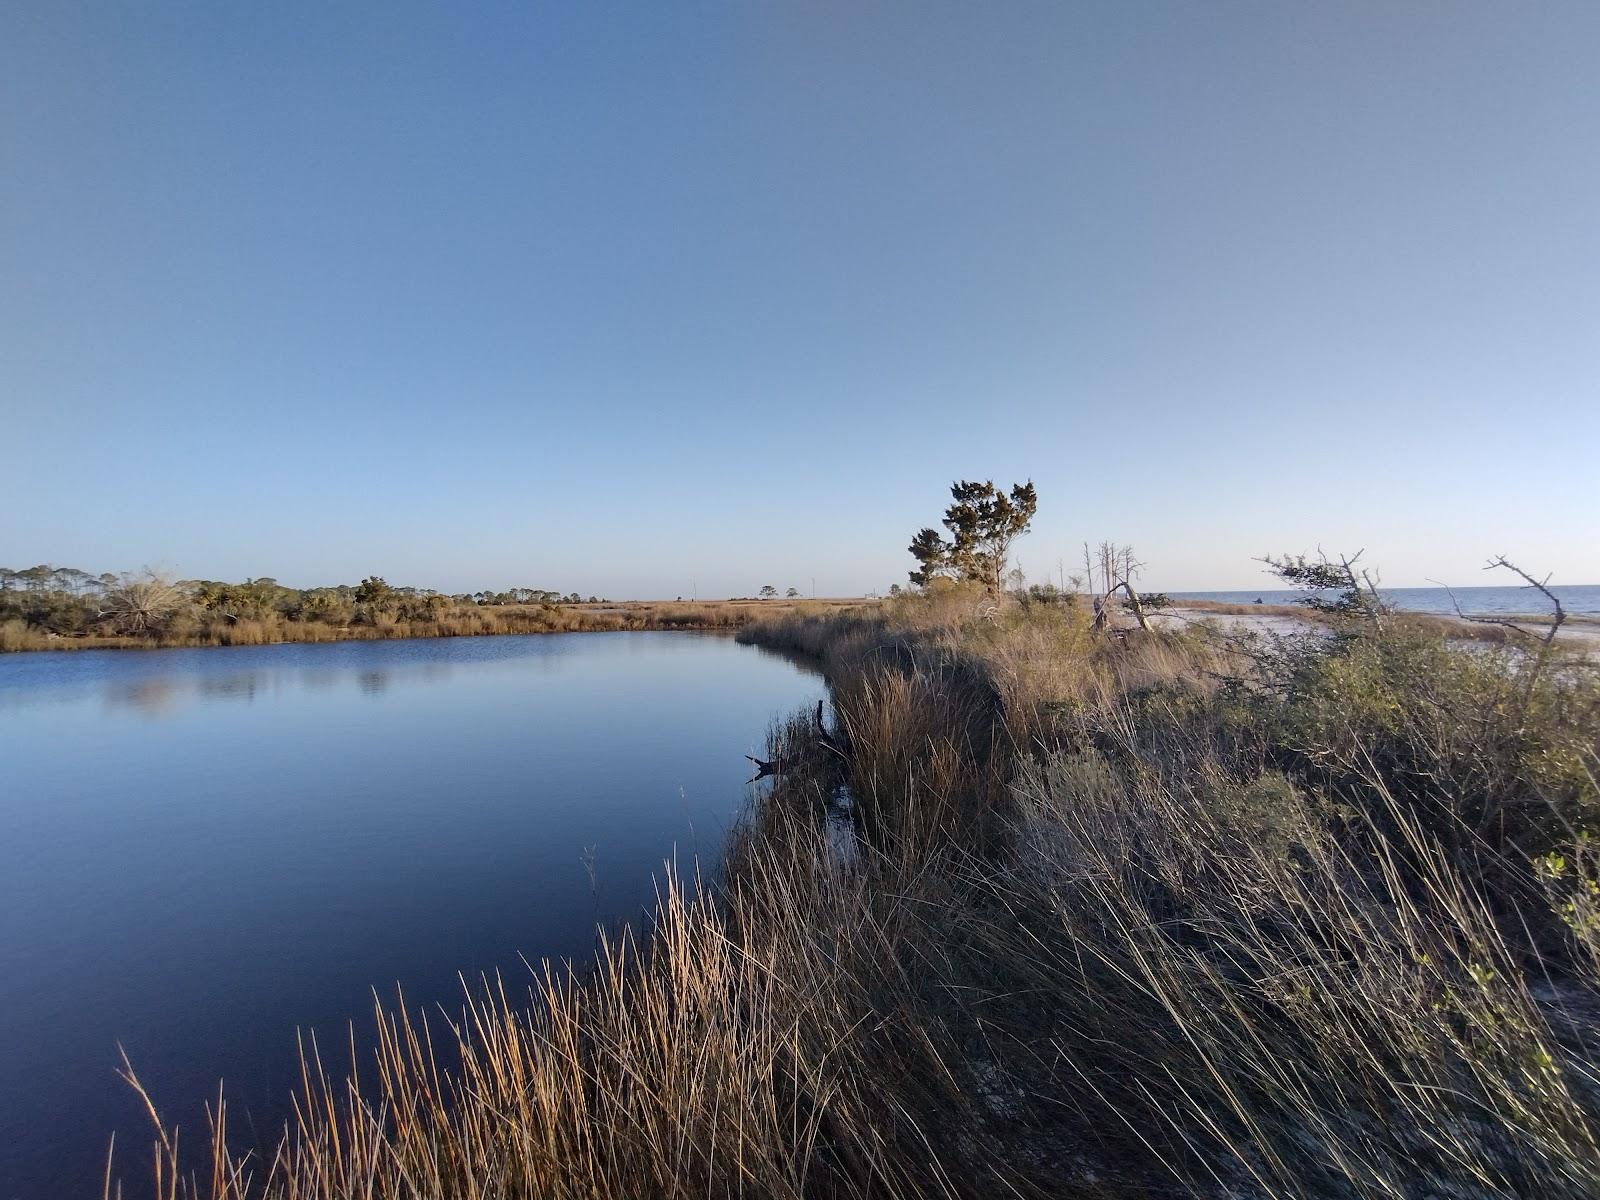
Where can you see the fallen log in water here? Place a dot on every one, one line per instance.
(837, 746)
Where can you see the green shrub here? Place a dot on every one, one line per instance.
(1490, 750)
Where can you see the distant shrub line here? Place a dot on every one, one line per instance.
(54, 608)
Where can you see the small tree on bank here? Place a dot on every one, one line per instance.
(1355, 592)
(768, 592)
(983, 522)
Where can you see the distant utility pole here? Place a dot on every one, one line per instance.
(813, 587)
(694, 589)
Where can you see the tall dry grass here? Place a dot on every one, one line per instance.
(1316, 1013)
(773, 1040)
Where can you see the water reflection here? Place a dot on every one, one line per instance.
(163, 695)
(240, 686)
(151, 696)
(203, 850)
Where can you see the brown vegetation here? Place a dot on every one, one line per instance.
(63, 609)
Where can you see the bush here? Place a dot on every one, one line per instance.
(1490, 751)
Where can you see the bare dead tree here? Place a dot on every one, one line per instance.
(1118, 568)
(1135, 604)
(1558, 616)
(1099, 595)
(1543, 639)
(140, 604)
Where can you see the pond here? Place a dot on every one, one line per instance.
(206, 850)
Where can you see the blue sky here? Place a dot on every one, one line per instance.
(638, 298)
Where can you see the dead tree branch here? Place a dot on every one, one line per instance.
(828, 741)
(1545, 641)
(764, 767)
(1471, 619)
(1559, 617)
(1545, 638)
(1138, 605)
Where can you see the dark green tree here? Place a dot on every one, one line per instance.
(983, 522)
(932, 555)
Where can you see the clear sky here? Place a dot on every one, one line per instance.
(638, 298)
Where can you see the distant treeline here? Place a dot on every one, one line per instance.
(44, 606)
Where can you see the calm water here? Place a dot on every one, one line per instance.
(205, 849)
(1579, 600)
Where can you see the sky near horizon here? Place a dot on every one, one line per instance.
(644, 299)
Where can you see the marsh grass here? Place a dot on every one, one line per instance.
(1121, 916)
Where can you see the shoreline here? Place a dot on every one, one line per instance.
(733, 615)
(634, 616)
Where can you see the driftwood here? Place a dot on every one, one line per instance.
(1103, 615)
(764, 767)
(779, 766)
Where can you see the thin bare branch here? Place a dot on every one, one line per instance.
(1541, 585)
(1503, 622)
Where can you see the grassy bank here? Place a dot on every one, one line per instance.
(200, 627)
(1046, 910)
